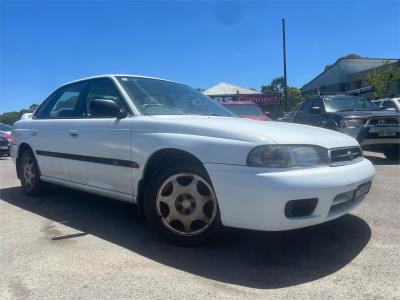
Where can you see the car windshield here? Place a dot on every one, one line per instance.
(244, 109)
(348, 103)
(159, 97)
(4, 127)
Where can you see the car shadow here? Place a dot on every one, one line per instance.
(254, 259)
(381, 161)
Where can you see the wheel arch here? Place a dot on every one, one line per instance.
(158, 159)
(21, 149)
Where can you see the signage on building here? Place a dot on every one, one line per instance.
(261, 99)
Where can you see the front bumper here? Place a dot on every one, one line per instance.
(374, 136)
(255, 198)
(4, 150)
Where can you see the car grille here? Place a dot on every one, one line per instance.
(383, 122)
(345, 155)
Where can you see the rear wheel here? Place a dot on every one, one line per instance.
(180, 203)
(30, 175)
(392, 153)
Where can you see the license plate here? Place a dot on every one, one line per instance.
(388, 132)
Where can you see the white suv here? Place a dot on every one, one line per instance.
(188, 163)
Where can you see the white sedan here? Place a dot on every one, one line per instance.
(188, 163)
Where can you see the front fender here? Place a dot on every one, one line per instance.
(206, 149)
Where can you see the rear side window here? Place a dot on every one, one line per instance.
(65, 102)
(388, 104)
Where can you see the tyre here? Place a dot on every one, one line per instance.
(180, 204)
(392, 153)
(30, 175)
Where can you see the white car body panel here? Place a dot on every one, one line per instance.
(106, 138)
(260, 207)
(248, 197)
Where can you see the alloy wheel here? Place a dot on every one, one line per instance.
(29, 172)
(186, 204)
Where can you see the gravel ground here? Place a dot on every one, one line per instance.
(70, 244)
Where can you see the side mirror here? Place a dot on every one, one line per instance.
(106, 108)
(316, 110)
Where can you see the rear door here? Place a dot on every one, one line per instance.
(101, 144)
(49, 136)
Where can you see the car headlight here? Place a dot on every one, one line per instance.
(287, 156)
(352, 123)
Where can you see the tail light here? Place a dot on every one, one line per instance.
(9, 138)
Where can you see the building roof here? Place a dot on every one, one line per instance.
(338, 72)
(224, 88)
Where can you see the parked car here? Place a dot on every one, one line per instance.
(26, 116)
(5, 142)
(374, 128)
(246, 109)
(392, 104)
(188, 163)
(5, 128)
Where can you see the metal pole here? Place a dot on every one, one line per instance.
(284, 64)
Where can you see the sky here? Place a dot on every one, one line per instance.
(44, 44)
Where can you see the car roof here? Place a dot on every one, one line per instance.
(338, 96)
(116, 75)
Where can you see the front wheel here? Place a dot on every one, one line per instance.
(180, 203)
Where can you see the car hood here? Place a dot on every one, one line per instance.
(366, 114)
(251, 130)
(257, 117)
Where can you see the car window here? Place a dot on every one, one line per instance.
(5, 127)
(64, 103)
(318, 103)
(306, 108)
(160, 97)
(349, 103)
(388, 104)
(102, 88)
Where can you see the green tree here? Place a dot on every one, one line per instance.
(381, 79)
(277, 86)
(294, 98)
(11, 117)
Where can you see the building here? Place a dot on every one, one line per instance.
(348, 73)
(228, 92)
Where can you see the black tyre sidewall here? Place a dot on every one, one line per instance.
(154, 219)
(39, 187)
(393, 153)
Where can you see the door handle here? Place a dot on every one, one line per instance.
(34, 132)
(74, 133)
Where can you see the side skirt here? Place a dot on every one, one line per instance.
(91, 189)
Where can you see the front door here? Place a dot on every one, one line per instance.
(101, 153)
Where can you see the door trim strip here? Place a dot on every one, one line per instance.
(92, 159)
